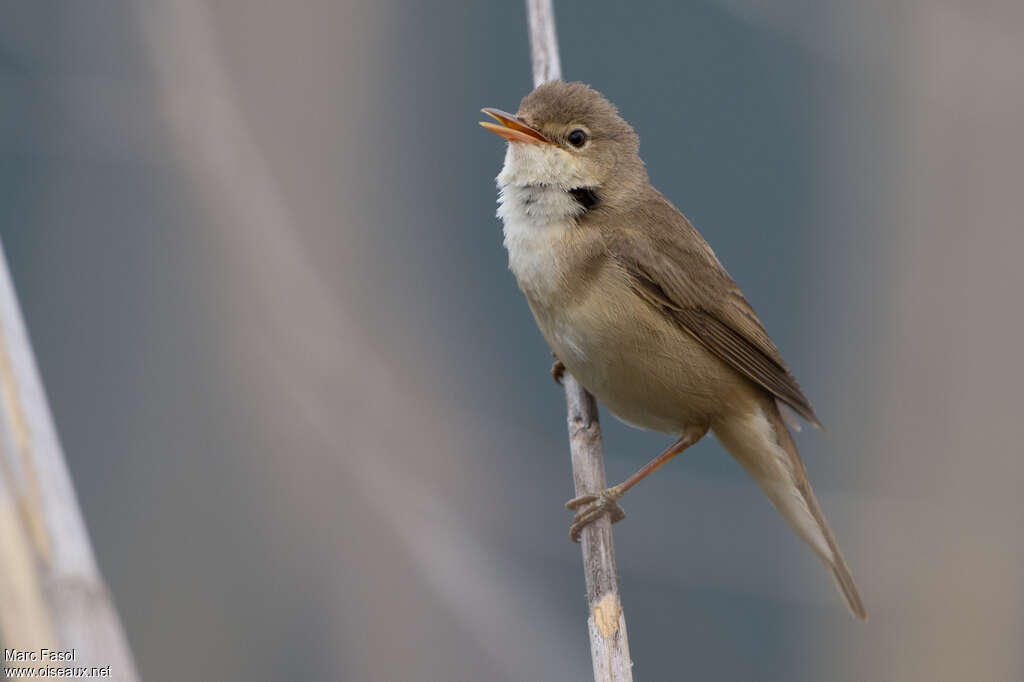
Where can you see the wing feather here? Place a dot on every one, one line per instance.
(679, 274)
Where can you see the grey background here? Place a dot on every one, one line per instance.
(308, 413)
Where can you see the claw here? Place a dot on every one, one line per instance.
(593, 506)
(577, 502)
(557, 370)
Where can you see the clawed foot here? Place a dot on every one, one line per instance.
(592, 506)
(557, 370)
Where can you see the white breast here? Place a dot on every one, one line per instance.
(536, 220)
(538, 214)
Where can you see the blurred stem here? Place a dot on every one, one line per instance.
(609, 646)
(51, 592)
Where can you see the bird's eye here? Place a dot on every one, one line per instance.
(577, 138)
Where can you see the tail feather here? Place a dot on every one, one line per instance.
(837, 564)
(763, 446)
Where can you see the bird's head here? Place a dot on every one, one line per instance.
(568, 135)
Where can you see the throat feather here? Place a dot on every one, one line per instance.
(585, 197)
(538, 220)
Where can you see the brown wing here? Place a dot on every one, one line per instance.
(677, 272)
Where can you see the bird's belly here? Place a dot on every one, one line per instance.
(645, 370)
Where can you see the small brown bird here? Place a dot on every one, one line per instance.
(635, 304)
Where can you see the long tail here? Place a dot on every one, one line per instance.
(762, 444)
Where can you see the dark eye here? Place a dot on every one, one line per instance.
(577, 138)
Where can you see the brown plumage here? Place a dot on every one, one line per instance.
(635, 304)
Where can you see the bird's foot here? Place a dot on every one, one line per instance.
(592, 506)
(557, 370)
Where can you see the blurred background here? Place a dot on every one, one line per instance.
(308, 413)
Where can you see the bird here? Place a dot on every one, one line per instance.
(636, 306)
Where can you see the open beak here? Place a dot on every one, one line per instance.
(511, 128)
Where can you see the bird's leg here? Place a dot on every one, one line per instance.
(557, 369)
(593, 505)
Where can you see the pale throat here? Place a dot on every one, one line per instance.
(539, 211)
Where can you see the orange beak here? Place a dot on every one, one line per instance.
(511, 128)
